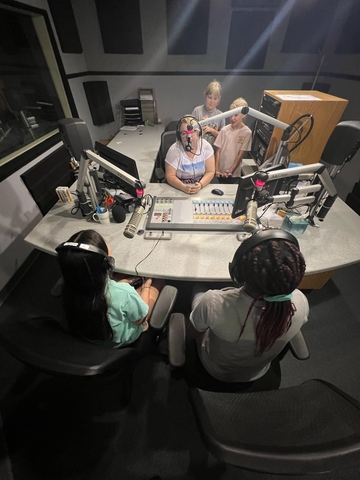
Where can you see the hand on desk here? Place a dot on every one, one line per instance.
(192, 188)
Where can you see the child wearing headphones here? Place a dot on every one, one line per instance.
(232, 142)
(243, 330)
(208, 110)
(189, 162)
(98, 308)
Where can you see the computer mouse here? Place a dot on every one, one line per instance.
(217, 191)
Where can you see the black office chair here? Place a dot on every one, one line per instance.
(342, 146)
(309, 428)
(171, 126)
(167, 139)
(177, 342)
(43, 344)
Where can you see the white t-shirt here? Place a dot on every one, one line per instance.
(232, 141)
(189, 170)
(220, 314)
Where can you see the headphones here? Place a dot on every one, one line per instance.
(192, 120)
(259, 236)
(110, 261)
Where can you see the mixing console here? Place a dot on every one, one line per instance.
(193, 214)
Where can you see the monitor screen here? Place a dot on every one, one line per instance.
(246, 187)
(121, 161)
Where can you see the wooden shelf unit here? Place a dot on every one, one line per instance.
(326, 110)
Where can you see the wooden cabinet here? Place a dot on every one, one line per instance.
(287, 106)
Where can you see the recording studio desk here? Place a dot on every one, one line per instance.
(202, 256)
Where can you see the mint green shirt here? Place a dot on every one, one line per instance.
(125, 306)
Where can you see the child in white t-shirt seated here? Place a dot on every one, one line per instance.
(232, 142)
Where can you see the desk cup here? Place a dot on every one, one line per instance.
(103, 217)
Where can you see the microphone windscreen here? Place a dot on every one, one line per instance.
(118, 213)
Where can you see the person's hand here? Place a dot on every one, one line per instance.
(192, 188)
(208, 129)
(228, 174)
(218, 173)
(147, 283)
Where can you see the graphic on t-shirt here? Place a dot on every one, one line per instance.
(192, 172)
(208, 135)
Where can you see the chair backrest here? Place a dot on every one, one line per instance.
(167, 139)
(343, 143)
(42, 343)
(309, 428)
(171, 126)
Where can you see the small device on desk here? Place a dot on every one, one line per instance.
(193, 214)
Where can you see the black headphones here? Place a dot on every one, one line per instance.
(259, 236)
(110, 261)
(192, 121)
(129, 204)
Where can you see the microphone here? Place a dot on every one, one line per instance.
(250, 223)
(118, 213)
(189, 132)
(135, 219)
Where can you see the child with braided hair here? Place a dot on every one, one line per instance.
(242, 331)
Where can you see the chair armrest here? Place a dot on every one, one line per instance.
(299, 347)
(163, 307)
(160, 174)
(177, 339)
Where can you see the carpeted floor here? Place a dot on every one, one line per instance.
(54, 430)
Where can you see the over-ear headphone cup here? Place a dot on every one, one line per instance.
(118, 213)
(111, 262)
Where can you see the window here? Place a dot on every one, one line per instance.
(32, 91)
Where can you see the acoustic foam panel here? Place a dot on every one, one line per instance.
(65, 25)
(250, 31)
(98, 98)
(187, 27)
(308, 26)
(120, 26)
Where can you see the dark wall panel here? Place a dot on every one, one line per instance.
(187, 26)
(349, 41)
(249, 38)
(65, 25)
(309, 25)
(97, 95)
(120, 26)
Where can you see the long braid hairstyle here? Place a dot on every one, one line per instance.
(275, 267)
(85, 276)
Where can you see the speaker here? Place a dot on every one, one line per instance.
(75, 135)
(110, 261)
(118, 213)
(256, 238)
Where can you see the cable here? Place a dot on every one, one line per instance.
(299, 128)
(153, 248)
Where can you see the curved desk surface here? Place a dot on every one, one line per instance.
(197, 256)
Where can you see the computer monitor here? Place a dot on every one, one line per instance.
(246, 187)
(127, 164)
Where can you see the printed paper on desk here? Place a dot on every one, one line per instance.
(130, 128)
(298, 97)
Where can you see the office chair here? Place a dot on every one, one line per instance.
(171, 126)
(342, 146)
(167, 139)
(309, 428)
(43, 344)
